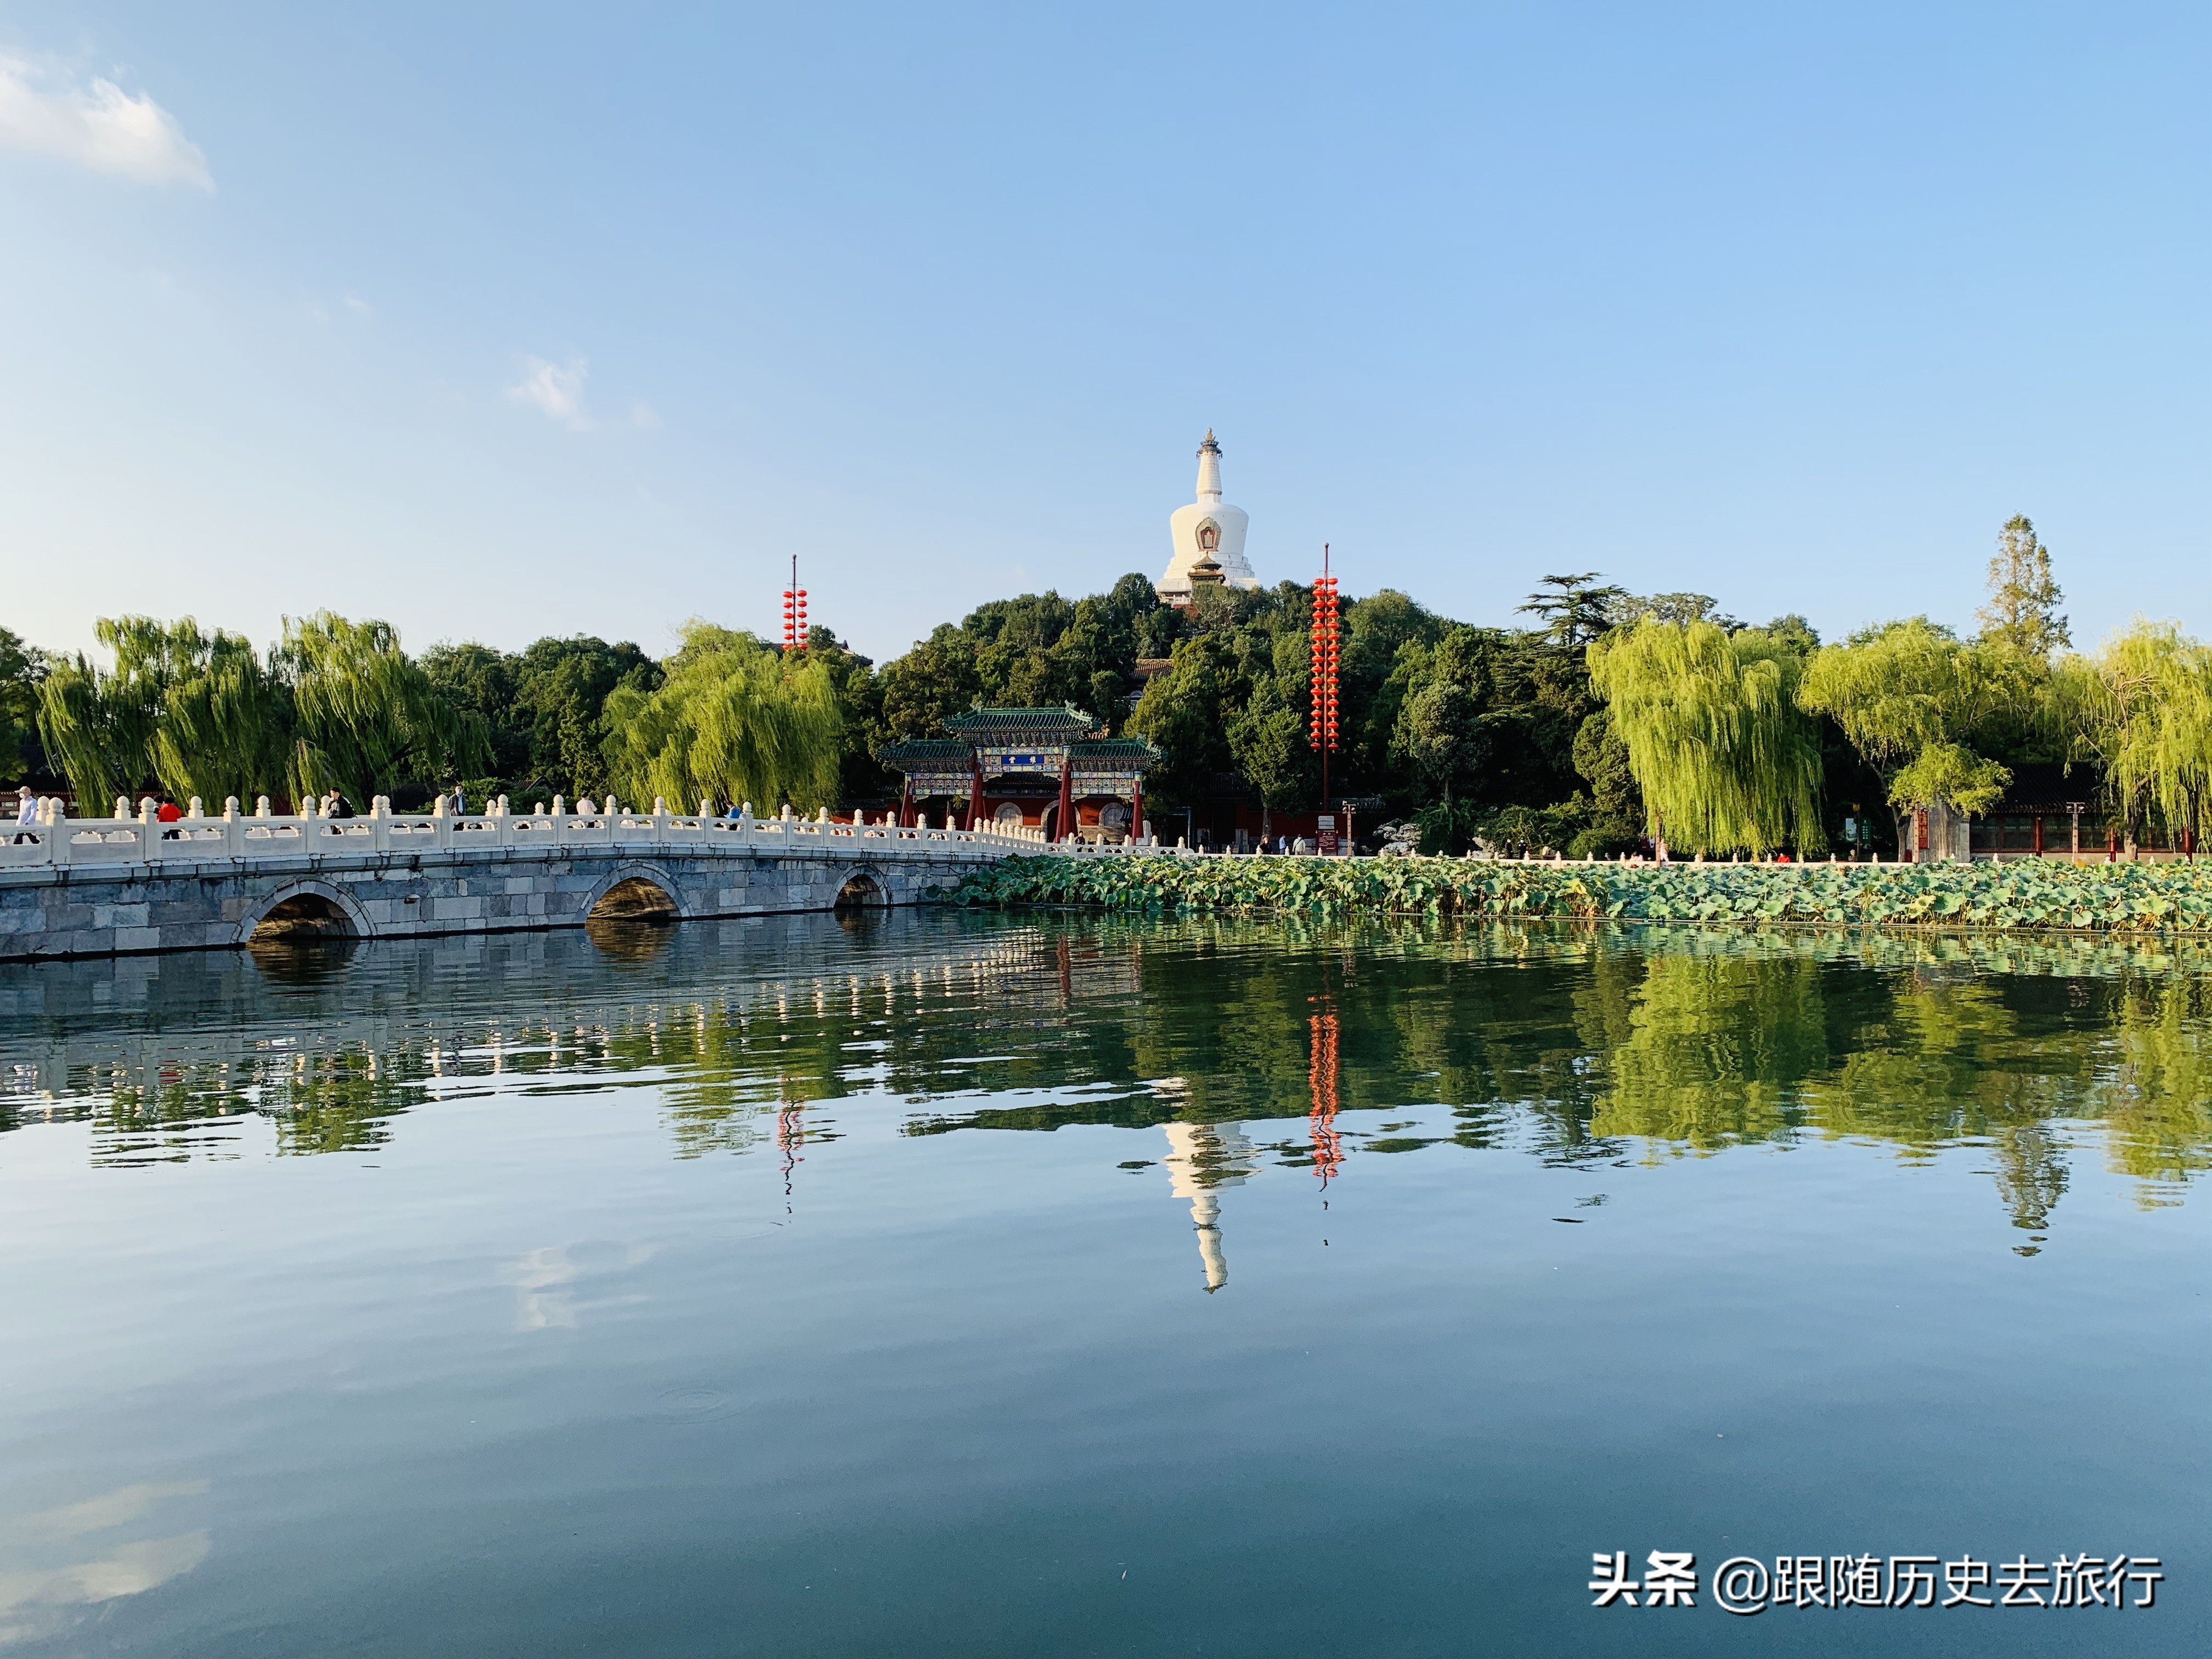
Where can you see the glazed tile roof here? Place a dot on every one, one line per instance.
(985, 723)
(1114, 749)
(926, 749)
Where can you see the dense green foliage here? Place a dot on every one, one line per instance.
(2142, 708)
(1726, 758)
(2122, 897)
(23, 672)
(1610, 718)
(731, 721)
(541, 707)
(336, 706)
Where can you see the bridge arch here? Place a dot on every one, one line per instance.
(863, 887)
(306, 910)
(634, 891)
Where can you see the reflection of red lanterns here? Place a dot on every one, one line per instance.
(1321, 1078)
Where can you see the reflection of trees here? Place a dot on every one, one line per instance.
(1717, 1048)
(1570, 1042)
(2158, 1101)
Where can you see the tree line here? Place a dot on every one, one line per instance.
(1605, 718)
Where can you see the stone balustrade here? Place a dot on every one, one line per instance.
(52, 842)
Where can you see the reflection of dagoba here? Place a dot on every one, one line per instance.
(1203, 1158)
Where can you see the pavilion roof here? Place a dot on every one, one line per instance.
(979, 724)
(926, 749)
(1114, 749)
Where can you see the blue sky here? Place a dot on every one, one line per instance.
(505, 321)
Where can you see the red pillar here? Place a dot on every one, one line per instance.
(1137, 807)
(1067, 823)
(906, 806)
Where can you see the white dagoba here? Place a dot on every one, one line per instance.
(1206, 529)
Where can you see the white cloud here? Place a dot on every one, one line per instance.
(100, 127)
(556, 392)
(644, 417)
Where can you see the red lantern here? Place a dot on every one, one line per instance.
(794, 612)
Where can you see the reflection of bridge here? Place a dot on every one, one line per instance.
(96, 887)
(389, 1029)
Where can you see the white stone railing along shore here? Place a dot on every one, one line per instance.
(54, 841)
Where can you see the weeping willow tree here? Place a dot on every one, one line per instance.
(196, 713)
(732, 721)
(1725, 756)
(2142, 707)
(367, 720)
(1911, 696)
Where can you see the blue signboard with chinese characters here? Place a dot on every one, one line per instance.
(1018, 760)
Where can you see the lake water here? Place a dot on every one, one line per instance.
(976, 1285)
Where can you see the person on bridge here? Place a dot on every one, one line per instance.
(26, 813)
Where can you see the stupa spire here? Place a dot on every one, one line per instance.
(1209, 469)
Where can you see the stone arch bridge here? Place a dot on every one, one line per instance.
(98, 887)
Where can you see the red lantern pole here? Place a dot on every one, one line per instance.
(794, 612)
(1322, 657)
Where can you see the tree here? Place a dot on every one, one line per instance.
(196, 712)
(1187, 712)
(1574, 610)
(2022, 614)
(479, 680)
(1634, 608)
(1268, 742)
(95, 730)
(2142, 707)
(858, 691)
(931, 683)
(1444, 734)
(1616, 814)
(23, 670)
(733, 721)
(562, 689)
(368, 721)
(1443, 729)
(1911, 698)
(1724, 755)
